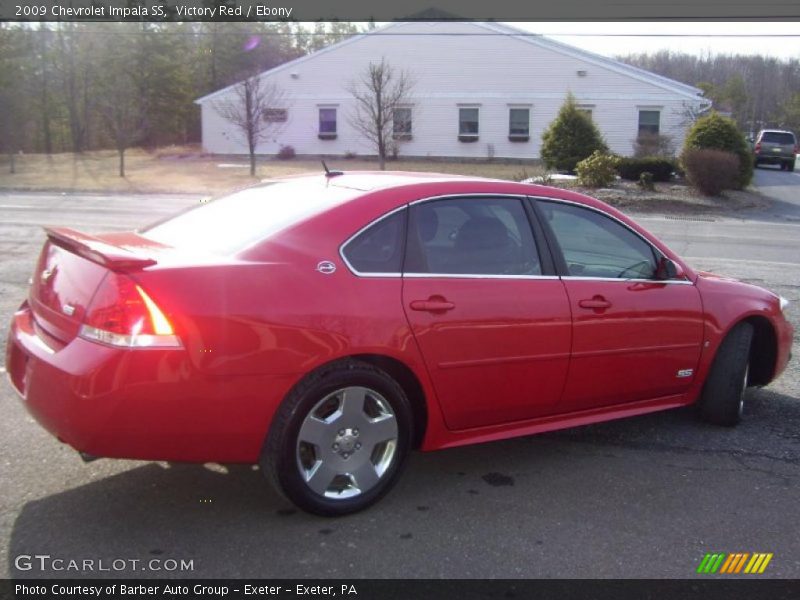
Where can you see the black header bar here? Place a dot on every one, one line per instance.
(374, 10)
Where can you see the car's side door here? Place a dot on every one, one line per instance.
(490, 316)
(635, 336)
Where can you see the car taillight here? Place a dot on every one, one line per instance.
(758, 147)
(122, 314)
(797, 149)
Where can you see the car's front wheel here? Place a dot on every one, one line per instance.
(339, 440)
(722, 399)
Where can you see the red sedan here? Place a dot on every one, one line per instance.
(324, 326)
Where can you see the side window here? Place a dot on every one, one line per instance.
(379, 248)
(471, 236)
(597, 246)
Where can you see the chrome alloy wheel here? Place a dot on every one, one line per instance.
(347, 442)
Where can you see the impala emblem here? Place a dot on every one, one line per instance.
(68, 309)
(326, 267)
(47, 274)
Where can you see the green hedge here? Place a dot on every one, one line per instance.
(632, 168)
(715, 132)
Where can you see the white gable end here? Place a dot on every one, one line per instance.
(453, 65)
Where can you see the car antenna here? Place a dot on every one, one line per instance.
(329, 173)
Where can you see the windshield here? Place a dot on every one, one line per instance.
(232, 223)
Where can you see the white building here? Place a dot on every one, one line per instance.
(481, 90)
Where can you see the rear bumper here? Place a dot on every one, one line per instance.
(774, 159)
(150, 404)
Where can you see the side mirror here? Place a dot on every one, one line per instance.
(668, 269)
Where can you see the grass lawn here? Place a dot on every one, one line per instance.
(188, 170)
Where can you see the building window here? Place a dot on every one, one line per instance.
(275, 115)
(468, 124)
(519, 120)
(401, 125)
(327, 123)
(649, 122)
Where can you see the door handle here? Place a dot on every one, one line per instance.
(598, 302)
(432, 305)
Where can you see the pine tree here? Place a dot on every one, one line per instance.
(570, 138)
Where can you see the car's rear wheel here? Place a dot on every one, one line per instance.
(722, 399)
(790, 166)
(339, 440)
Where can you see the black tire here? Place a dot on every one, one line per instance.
(790, 166)
(756, 163)
(281, 456)
(722, 399)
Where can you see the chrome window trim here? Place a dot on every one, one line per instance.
(655, 281)
(627, 227)
(342, 247)
(357, 273)
(521, 197)
(474, 276)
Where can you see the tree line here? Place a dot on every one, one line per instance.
(757, 91)
(72, 87)
(83, 86)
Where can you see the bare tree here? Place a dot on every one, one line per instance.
(124, 115)
(257, 109)
(379, 92)
(689, 112)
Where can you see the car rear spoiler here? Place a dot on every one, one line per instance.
(97, 250)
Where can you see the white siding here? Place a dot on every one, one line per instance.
(492, 71)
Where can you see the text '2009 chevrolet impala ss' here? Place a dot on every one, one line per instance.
(324, 326)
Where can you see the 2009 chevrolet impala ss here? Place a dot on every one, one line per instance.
(323, 326)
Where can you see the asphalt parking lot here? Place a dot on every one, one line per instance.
(642, 497)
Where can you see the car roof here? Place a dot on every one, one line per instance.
(775, 131)
(368, 181)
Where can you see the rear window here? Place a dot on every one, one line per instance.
(778, 137)
(232, 223)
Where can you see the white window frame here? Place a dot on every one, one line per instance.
(519, 137)
(403, 135)
(469, 137)
(328, 135)
(655, 109)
